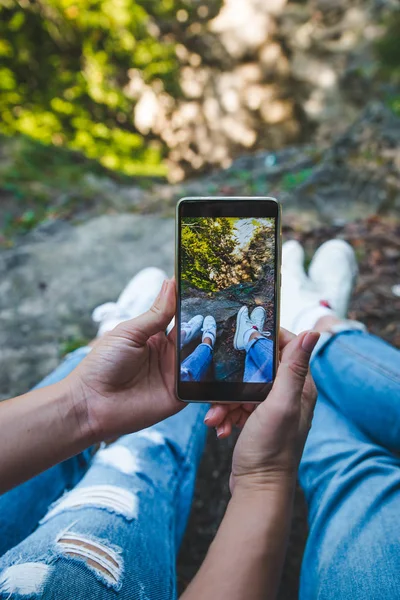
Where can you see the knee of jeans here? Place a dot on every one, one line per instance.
(115, 500)
(33, 579)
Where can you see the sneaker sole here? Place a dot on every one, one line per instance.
(235, 344)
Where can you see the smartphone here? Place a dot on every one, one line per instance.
(228, 256)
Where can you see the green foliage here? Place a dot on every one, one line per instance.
(212, 258)
(388, 46)
(64, 65)
(292, 180)
(394, 104)
(72, 344)
(40, 182)
(206, 250)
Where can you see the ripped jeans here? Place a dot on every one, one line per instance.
(116, 530)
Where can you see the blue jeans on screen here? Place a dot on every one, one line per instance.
(258, 364)
(133, 501)
(129, 502)
(196, 365)
(259, 361)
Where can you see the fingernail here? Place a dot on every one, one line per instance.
(209, 415)
(310, 340)
(220, 430)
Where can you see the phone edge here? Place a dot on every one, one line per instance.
(278, 284)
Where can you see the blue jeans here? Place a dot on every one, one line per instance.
(259, 361)
(196, 365)
(105, 526)
(258, 365)
(131, 506)
(350, 473)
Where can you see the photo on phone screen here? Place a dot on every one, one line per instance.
(227, 299)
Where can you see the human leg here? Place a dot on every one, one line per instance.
(360, 375)
(195, 366)
(350, 477)
(259, 360)
(349, 474)
(121, 526)
(22, 507)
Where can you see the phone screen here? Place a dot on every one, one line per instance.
(227, 317)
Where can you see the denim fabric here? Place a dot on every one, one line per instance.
(130, 509)
(350, 472)
(23, 507)
(195, 366)
(259, 361)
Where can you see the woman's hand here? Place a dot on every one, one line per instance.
(270, 446)
(127, 380)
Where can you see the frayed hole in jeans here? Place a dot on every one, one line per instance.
(110, 497)
(105, 562)
(119, 458)
(152, 436)
(25, 579)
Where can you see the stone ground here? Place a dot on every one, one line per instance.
(228, 363)
(53, 277)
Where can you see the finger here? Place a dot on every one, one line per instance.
(172, 335)
(291, 377)
(243, 420)
(225, 429)
(216, 415)
(293, 369)
(154, 320)
(308, 400)
(235, 416)
(285, 337)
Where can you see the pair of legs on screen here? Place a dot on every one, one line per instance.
(249, 337)
(117, 529)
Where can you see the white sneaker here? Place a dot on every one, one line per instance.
(244, 328)
(209, 329)
(135, 299)
(192, 329)
(257, 317)
(334, 270)
(300, 297)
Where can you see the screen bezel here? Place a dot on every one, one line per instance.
(248, 207)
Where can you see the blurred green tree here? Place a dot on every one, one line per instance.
(64, 65)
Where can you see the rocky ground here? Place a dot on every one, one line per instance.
(51, 278)
(228, 363)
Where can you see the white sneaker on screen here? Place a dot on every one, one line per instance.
(257, 317)
(135, 299)
(191, 329)
(209, 329)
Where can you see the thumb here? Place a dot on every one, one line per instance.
(292, 374)
(156, 319)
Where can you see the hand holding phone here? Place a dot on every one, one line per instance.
(228, 263)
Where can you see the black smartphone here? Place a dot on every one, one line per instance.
(228, 253)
